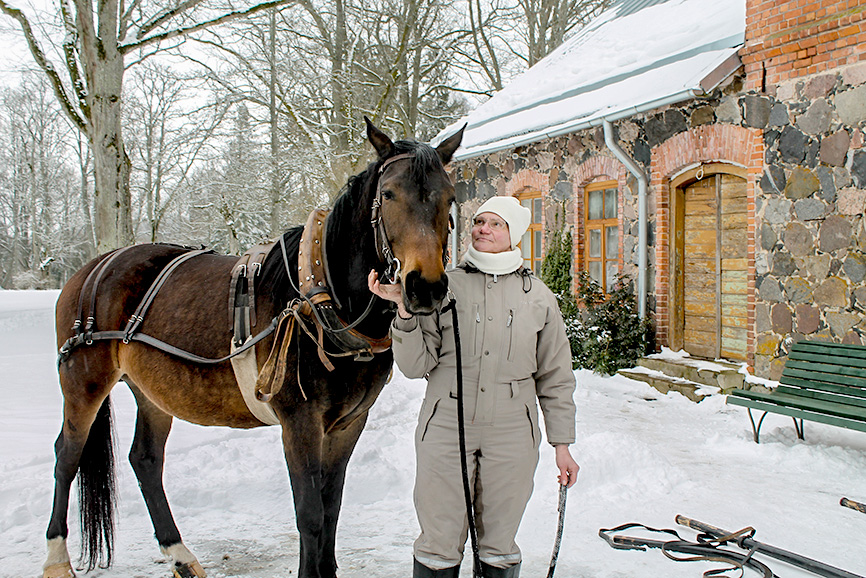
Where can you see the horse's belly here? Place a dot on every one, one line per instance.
(195, 393)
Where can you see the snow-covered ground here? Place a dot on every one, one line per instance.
(644, 457)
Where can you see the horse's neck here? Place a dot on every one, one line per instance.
(351, 253)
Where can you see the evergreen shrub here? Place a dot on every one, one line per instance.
(605, 333)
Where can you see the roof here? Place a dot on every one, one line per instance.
(635, 56)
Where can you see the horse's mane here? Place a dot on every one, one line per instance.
(350, 211)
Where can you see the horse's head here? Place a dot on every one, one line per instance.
(413, 198)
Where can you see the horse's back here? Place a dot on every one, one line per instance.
(114, 284)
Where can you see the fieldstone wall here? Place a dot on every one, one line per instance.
(810, 248)
(811, 257)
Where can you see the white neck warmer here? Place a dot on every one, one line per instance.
(494, 263)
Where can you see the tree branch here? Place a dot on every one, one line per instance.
(66, 105)
(166, 15)
(126, 48)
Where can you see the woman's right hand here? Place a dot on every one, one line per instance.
(392, 292)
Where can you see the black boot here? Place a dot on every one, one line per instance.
(488, 571)
(419, 570)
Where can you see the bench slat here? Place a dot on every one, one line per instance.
(832, 349)
(837, 408)
(797, 413)
(809, 384)
(854, 364)
(826, 396)
(857, 382)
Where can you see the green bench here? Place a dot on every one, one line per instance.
(822, 382)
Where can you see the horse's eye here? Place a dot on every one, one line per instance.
(387, 195)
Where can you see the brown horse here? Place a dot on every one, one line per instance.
(321, 411)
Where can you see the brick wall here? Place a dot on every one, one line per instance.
(789, 39)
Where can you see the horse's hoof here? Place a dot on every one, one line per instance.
(61, 570)
(191, 570)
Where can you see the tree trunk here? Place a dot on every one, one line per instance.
(112, 219)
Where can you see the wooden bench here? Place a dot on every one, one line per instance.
(822, 382)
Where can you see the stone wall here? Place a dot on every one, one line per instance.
(811, 262)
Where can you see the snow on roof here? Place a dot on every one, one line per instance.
(637, 55)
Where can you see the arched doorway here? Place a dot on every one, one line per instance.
(709, 262)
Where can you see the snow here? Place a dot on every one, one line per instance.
(644, 457)
(614, 64)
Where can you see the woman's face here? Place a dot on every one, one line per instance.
(490, 234)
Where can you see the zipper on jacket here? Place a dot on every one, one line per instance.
(477, 330)
(510, 332)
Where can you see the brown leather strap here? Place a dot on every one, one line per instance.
(238, 272)
(137, 317)
(311, 272)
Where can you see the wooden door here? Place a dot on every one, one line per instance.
(714, 266)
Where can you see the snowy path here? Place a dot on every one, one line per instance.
(645, 457)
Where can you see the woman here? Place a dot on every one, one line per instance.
(514, 351)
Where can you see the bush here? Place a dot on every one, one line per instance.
(608, 334)
(605, 334)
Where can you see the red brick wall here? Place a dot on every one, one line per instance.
(789, 39)
(710, 143)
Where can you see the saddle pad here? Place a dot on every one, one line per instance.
(247, 373)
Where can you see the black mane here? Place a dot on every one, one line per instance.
(349, 220)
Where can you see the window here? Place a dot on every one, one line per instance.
(601, 230)
(530, 244)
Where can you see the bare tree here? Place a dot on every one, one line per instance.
(41, 223)
(504, 37)
(97, 40)
(170, 129)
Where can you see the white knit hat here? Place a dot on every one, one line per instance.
(512, 212)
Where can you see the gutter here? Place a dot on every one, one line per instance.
(576, 125)
(638, 174)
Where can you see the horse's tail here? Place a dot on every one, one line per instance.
(96, 491)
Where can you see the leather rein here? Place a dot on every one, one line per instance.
(315, 301)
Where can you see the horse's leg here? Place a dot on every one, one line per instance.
(147, 456)
(338, 447)
(302, 445)
(84, 444)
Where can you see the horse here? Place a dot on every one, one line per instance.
(320, 400)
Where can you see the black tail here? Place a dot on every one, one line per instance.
(96, 491)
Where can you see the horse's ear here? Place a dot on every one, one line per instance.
(379, 140)
(447, 147)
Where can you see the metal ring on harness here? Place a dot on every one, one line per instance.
(393, 278)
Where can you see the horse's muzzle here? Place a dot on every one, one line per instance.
(422, 296)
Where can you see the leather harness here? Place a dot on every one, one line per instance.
(316, 307)
(316, 304)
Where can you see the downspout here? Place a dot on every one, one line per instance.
(638, 174)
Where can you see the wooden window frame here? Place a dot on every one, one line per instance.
(601, 225)
(535, 232)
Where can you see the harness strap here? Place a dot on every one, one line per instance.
(82, 339)
(96, 274)
(137, 317)
(242, 291)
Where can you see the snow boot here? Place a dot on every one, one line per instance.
(488, 571)
(419, 570)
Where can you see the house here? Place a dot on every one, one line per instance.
(711, 150)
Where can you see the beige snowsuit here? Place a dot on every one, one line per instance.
(514, 351)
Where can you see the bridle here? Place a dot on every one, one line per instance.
(380, 235)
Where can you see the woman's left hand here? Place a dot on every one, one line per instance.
(568, 468)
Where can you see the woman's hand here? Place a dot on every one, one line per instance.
(392, 293)
(568, 468)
